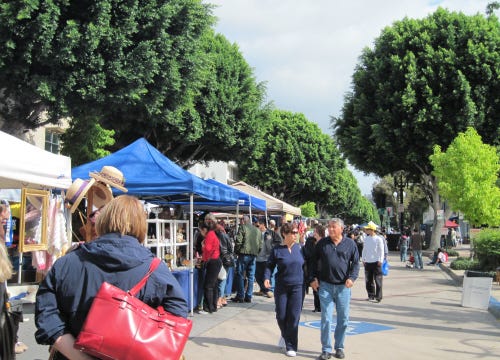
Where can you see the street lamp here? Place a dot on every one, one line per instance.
(400, 183)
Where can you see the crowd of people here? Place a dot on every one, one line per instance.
(235, 263)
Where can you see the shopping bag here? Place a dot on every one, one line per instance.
(385, 267)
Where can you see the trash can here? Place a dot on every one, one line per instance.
(476, 289)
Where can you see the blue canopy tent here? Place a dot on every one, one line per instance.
(245, 201)
(153, 177)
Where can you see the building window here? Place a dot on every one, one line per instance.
(52, 141)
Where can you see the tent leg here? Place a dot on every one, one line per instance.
(191, 271)
(20, 268)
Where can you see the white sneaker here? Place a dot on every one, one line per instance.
(281, 343)
(291, 353)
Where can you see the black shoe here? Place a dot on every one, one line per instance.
(325, 356)
(248, 300)
(339, 354)
(237, 300)
(378, 300)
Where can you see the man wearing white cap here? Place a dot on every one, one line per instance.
(373, 257)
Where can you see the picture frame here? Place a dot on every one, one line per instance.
(33, 220)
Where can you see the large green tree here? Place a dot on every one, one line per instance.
(134, 66)
(228, 107)
(422, 83)
(294, 160)
(467, 173)
(292, 157)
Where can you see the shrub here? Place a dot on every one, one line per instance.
(462, 263)
(452, 252)
(486, 247)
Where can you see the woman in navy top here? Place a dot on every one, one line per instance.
(288, 258)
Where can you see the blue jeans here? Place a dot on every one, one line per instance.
(403, 251)
(246, 268)
(417, 255)
(340, 296)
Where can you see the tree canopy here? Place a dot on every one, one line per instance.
(141, 69)
(467, 173)
(422, 83)
(294, 158)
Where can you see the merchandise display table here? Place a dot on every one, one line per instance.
(182, 276)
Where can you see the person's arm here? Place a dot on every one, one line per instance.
(64, 344)
(353, 268)
(238, 242)
(271, 264)
(314, 271)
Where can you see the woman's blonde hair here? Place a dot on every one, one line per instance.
(5, 264)
(124, 215)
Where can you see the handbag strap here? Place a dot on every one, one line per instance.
(154, 264)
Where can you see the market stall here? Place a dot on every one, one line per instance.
(274, 205)
(153, 177)
(33, 180)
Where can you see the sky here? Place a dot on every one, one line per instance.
(306, 51)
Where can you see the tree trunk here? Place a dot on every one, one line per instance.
(438, 224)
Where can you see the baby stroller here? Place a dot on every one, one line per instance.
(410, 263)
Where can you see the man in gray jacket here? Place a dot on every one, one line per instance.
(247, 246)
(270, 239)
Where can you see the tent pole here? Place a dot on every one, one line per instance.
(191, 267)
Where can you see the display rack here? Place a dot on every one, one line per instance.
(166, 241)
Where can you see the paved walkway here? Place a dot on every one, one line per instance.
(420, 317)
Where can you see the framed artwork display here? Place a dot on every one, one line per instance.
(33, 220)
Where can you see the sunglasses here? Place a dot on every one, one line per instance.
(295, 231)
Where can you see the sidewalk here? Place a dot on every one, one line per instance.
(420, 317)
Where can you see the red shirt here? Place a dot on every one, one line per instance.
(211, 246)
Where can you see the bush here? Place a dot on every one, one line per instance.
(486, 247)
(452, 252)
(462, 263)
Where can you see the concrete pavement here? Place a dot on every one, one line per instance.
(419, 317)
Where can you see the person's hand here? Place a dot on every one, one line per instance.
(314, 284)
(267, 283)
(349, 283)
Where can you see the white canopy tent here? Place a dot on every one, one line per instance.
(274, 205)
(31, 167)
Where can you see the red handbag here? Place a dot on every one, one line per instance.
(119, 326)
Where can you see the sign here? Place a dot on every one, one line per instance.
(389, 211)
(440, 214)
(354, 327)
(401, 208)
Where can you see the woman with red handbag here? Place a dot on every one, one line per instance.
(116, 257)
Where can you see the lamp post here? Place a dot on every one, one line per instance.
(400, 183)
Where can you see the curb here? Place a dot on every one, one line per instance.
(494, 305)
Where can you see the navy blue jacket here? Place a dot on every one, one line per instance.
(65, 295)
(335, 263)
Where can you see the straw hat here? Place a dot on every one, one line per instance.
(102, 194)
(111, 176)
(76, 192)
(371, 226)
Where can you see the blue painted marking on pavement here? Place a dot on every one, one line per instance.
(354, 327)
